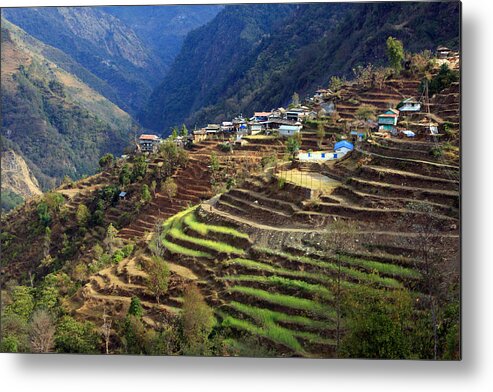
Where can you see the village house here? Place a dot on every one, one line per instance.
(256, 128)
(227, 127)
(277, 113)
(179, 141)
(342, 148)
(295, 114)
(409, 105)
(199, 135)
(238, 122)
(316, 156)
(289, 130)
(357, 135)
(242, 130)
(149, 143)
(443, 52)
(261, 116)
(212, 129)
(239, 141)
(322, 93)
(388, 120)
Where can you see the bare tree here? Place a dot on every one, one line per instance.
(106, 330)
(339, 238)
(437, 275)
(42, 332)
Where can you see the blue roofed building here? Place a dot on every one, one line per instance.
(343, 147)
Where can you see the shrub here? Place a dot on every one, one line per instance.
(135, 308)
(226, 147)
(335, 83)
(82, 215)
(72, 336)
(169, 187)
(43, 214)
(118, 256)
(145, 194)
(128, 249)
(443, 79)
(268, 161)
(437, 152)
(106, 161)
(198, 321)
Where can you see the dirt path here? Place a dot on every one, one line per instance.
(261, 226)
(182, 271)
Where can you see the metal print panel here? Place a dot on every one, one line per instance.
(260, 180)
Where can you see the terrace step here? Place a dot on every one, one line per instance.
(376, 200)
(398, 152)
(444, 197)
(405, 178)
(412, 165)
(264, 200)
(389, 215)
(252, 207)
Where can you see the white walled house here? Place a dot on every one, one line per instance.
(256, 128)
(289, 130)
(409, 105)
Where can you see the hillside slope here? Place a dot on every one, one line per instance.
(164, 28)
(55, 121)
(219, 74)
(100, 43)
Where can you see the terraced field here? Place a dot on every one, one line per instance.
(281, 296)
(111, 289)
(389, 95)
(193, 183)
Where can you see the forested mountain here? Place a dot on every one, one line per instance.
(127, 48)
(164, 28)
(50, 118)
(254, 57)
(100, 43)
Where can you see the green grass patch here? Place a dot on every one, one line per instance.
(178, 249)
(314, 289)
(334, 268)
(276, 270)
(175, 220)
(385, 268)
(265, 316)
(288, 301)
(191, 221)
(273, 332)
(217, 246)
(277, 334)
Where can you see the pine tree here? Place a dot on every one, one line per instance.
(395, 53)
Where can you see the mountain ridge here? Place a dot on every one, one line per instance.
(58, 124)
(313, 43)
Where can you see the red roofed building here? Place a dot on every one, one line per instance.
(149, 143)
(261, 116)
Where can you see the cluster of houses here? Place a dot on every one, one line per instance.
(285, 121)
(387, 121)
